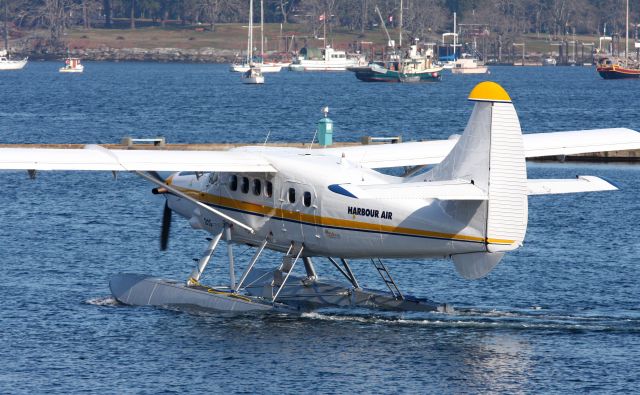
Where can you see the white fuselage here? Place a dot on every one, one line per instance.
(329, 223)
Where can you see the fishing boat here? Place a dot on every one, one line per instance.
(245, 64)
(72, 65)
(611, 68)
(416, 66)
(468, 65)
(325, 59)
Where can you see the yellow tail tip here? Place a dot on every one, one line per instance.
(489, 91)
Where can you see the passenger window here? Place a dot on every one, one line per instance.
(233, 182)
(306, 199)
(292, 195)
(244, 187)
(268, 191)
(257, 187)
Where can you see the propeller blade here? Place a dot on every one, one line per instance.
(166, 226)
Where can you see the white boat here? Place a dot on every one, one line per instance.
(253, 76)
(468, 65)
(448, 53)
(325, 59)
(10, 64)
(246, 64)
(72, 65)
(269, 67)
(550, 61)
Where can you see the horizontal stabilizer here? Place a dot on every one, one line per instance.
(579, 184)
(442, 190)
(580, 142)
(98, 158)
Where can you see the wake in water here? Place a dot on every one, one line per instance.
(535, 318)
(103, 301)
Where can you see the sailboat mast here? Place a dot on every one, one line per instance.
(6, 28)
(262, 30)
(626, 45)
(455, 37)
(250, 32)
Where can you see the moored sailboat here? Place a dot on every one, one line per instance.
(253, 75)
(6, 63)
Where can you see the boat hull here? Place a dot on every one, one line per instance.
(617, 73)
(71, 70)
(13, 64)
(470, 70)
(368, 74)
(264, 67)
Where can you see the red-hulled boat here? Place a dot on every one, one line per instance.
(610, 70)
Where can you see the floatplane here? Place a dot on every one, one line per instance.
(464, 198)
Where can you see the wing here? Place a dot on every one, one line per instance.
(94, 157)
(535, 145)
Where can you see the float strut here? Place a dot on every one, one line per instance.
(202, 263)
(250, 267)
(232, 274)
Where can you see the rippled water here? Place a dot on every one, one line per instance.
(559, 315)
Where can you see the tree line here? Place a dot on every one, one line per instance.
(420, 18)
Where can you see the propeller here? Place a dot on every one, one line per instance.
(166, 226)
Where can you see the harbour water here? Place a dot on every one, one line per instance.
(559, 315)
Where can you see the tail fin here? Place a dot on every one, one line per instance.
(490, 153)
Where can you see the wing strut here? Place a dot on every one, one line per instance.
(194, 201)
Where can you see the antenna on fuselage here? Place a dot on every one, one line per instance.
(266, 138)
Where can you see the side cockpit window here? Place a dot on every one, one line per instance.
(233, 182)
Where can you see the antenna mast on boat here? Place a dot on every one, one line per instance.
(262, 31)
(400, 38)
(324, 28)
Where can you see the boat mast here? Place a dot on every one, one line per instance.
(626, 45)
(6, 28)
(400, 38)
(324, 29)
(250, 44)
(262, 31)
(455, 37)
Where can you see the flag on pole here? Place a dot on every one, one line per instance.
(390, 18)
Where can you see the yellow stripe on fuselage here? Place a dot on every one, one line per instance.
(316, 220)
